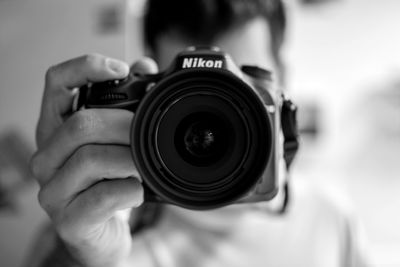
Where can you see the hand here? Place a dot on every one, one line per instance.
(84, 166)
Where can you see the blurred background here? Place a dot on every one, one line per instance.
(343, 71)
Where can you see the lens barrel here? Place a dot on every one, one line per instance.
(201, 138)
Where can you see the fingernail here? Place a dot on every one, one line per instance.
(117, 66)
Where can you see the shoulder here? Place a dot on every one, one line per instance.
(329, 212)
(327, 198)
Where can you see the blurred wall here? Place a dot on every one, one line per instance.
(343, 56)
(337, 50)
(38, 34)
(33, 36)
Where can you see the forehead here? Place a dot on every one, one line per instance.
(248, 44)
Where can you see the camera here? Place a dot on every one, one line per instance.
(205, 132)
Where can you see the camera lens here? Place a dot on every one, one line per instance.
(202, 138)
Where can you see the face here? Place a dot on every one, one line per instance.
(249, 44)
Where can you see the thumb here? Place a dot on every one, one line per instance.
(144, 66)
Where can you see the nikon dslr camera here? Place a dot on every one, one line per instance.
(205, 135)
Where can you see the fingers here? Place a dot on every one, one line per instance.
(99, 202)
(101, 126)
(90, 164)
(82, 70)
(94, 206)
(83, 163)
(144, 66)
(62, 78)
(79, 195)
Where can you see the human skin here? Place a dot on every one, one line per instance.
(83, 163)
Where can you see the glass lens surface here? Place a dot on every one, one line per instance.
(202, 138)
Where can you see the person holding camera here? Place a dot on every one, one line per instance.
(95, 195)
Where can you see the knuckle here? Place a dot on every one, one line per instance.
(140, 194)
(51, 74)
(42, 198)
(93, 60)
(138, 197)
(102, 197)
(86, 157)
(35, 166)
(65, 228)
(83, 124)
(44, 201)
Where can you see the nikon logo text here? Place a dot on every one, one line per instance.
(198, 62)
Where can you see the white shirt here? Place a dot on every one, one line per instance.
(317, 231)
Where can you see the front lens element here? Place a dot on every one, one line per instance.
(202, 138)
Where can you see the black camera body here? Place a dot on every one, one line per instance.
(205, 135)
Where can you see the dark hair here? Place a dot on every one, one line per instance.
(204, 20)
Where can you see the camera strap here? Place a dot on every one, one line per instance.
(290, 144)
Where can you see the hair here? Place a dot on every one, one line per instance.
(205, 20)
